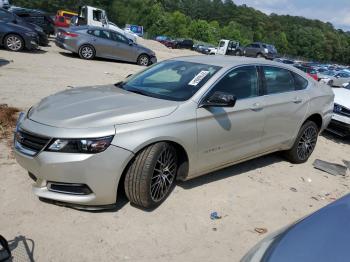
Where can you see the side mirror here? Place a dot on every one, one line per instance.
(220, 99)
(131, 42)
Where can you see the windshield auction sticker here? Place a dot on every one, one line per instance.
(198, 78)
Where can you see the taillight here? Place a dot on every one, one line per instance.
(69, 34)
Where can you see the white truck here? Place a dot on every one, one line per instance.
(229, 47)
(93, 16)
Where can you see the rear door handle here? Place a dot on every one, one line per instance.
(297, 100)
(256, 107)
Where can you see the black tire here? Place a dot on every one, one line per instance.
(238, 53)
(330, 83)
(259, 56)
(87, 52)
(143, 60)
(147, 182)
(304, 144)
(14, 43)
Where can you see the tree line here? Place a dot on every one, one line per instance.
(211, 20)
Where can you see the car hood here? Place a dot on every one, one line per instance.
(88, 107)
(342, 96)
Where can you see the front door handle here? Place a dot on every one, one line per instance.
(257, 107)
(297, 100)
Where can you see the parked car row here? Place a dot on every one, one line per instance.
(16, 34)
(175, 43)
(88, 41)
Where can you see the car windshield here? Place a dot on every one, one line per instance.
(171, 80)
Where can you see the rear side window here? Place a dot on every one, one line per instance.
(278, 80)
(300, 82)
(222, 43)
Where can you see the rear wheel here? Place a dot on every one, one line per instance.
(304, 144)
(151, 176)
(87, 52)
(259, 56)
(14, 43)
(143, 60)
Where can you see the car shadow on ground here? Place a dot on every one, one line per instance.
(73, 55)
(335, 138)
(22, 249)
(234, 170)
(4, 62)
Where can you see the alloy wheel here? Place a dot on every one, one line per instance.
(307, 143)
(163, 175)
(87, 52)
(14, 43)
(144, 61)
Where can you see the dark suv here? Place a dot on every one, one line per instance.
(15, 36)
(186, 43)
(259, 50)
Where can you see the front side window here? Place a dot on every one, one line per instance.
(119, 38)
(241, 82)
(278, 80)
(97, 15)
(171, 80)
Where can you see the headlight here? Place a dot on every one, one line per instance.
(85, 146)
(266, 50)
(337, 108)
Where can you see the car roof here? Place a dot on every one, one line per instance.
(230, 61)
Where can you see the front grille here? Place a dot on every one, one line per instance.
(341, 110)
(31, 141)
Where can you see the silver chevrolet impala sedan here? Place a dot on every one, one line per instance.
(176, 120)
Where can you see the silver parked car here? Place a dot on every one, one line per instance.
(339, 79)
(90, 42)
(178, 119)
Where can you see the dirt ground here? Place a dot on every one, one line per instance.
(267, 192)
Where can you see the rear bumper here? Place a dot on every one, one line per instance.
(61, 44)
(339, 125)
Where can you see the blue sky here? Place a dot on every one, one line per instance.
(335, 11)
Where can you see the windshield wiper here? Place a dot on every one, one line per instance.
(120, 84)
(137, 92)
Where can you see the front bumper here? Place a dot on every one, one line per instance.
(32, 43)
(98, 172)
(153, 60)
(339, 125)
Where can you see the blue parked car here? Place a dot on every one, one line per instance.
(15, 36)
(323, 236)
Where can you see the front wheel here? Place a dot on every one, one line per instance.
(143, 60)
(304, 144)
(151, 175)
(14, 43)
